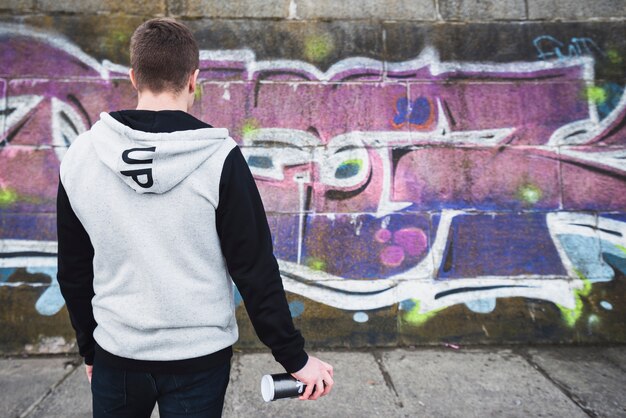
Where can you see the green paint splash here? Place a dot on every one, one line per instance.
(571, 316)
(198, 92)
(596, 94)
(316, 264)
(7, 197)
(529, 193)
(614, 57)
(358, 162)
(621, 247)
(417, 318)
(318, 47)
(249, 126)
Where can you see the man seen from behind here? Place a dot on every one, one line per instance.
(156, 212)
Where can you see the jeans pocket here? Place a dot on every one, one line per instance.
(108, 388)
(202, 391)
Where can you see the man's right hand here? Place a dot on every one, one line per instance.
(89, 371)
(318, 378)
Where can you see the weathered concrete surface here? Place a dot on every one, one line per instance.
(70, 399)
(368, 9)
(617, 356)
(18, 5)
(422, 10)
(24, 381)
(105, 35)
(321, 43)
(531, 321)
(142, 7)
(473, 383)
(465, 10)
(596, 384)
(360, 392)
(329, 327)
(227, 9)
(24, 330)
(398, 383)
(573, 9)
(507, 42)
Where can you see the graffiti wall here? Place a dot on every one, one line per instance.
(411, 201)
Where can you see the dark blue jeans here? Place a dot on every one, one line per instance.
(119, 393)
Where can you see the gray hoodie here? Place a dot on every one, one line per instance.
(156, 213)
(162, 288)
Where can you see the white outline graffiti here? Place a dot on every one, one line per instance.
(19, 108)
(300, 148)
(66, 126)
(588, 131)
(59, 42)
(35, 253)
(418, 283)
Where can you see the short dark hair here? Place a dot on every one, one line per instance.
(163, 54)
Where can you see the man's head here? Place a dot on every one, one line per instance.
(163, 57)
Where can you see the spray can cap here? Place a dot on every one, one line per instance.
(267, 388)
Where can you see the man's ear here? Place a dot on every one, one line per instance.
(131, 74)
(192, 80)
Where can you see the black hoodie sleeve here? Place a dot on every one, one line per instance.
(247, 246)
(75, 274)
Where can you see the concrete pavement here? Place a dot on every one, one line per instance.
(424, 382)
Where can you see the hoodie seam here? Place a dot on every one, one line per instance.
(232, 145)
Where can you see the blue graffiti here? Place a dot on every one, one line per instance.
(51, 301)
(420, 112)
(613, 93)
(237, 296)
(583, 251)
(296, 308)
(482, 305)
(407, 305)
(618, 263)
(550, 47)
(260, 162)
(348, 169)
(5, 273)
(606, 305)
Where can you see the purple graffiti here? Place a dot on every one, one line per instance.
(382, 181)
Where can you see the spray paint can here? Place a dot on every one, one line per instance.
(279, 386)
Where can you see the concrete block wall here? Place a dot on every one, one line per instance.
(434, 171)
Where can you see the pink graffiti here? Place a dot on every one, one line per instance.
(413, 241)
(392, 256)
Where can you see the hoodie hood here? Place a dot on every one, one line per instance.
(150, 162)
